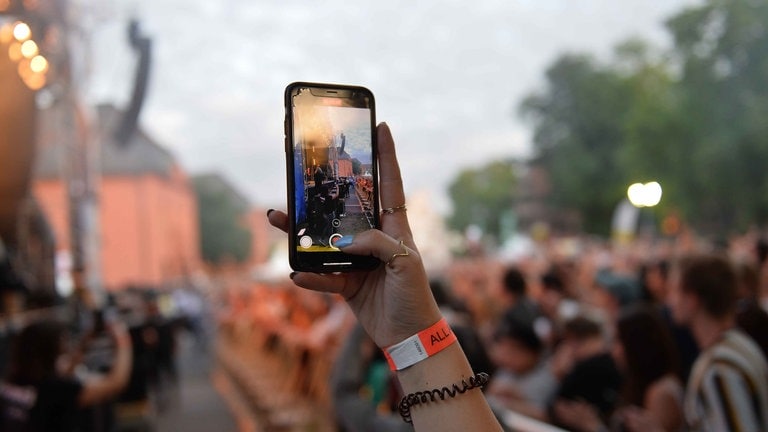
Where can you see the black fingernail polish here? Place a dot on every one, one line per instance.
(269, 212)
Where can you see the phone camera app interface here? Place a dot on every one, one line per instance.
(333, 171)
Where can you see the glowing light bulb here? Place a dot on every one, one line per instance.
(21, 31)
(29, 49)
(38, 64)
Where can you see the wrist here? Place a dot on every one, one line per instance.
(420, 346)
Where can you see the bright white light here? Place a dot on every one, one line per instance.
(29, 49)
(644, 195)
(38, 64)
(21, 31)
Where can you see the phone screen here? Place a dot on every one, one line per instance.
(333, 192)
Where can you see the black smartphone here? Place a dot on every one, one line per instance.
(332, 172)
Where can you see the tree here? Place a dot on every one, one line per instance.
(579, 130)
(693, 119)
(221, 212)
(482, 197)
(721, 48)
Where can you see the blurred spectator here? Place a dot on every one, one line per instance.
(654, 281)
(363, 389)
(589, 373)
(750, 317)
(555, 306)
(651, 392)
(615, 292)
(523, 381)
(728, 387)
(40, 392)
(159, 335)
(518, 306)
(653, 278)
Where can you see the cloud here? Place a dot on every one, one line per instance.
(447, 75)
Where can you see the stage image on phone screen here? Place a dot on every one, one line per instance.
(333, 171)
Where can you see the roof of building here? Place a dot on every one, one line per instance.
(140, 155)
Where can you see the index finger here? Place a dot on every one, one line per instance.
(391, 187)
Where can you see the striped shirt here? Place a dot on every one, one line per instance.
(728, 387)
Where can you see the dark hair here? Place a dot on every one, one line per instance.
(520, 332)
(748, 277)
(761, 249)
(712, 279)
(514, 282)
(551, 280)
(649, 351)
(34, 353)
(581, 328)
(662, 266)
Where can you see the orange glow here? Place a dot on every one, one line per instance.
(5, 4)
(23, 69)
(14, 51)
(330, 101)
(21, 31)
(35, 81)
(6, 34)
(29, 49)
(38, 64)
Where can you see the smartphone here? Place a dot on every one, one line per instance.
(332, 172)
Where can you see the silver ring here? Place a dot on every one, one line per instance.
(404, 253)
(390, 210)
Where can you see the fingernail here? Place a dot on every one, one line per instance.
(293, 275)
(270, 212)
(344, 241)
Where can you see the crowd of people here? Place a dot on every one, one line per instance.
(98, 369)
(580, 334)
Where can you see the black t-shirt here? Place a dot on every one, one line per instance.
(49, 406)
(595, 380)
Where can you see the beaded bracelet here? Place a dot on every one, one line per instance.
(418, 398)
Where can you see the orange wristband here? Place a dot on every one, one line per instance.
(420, 346)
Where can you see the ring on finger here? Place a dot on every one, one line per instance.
(404, 253)
(391, 210)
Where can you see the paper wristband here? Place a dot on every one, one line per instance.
(420, 346)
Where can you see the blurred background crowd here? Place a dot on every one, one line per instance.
(142, 289)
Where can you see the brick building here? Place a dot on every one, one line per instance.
(149, 231)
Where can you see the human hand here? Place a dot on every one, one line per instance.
(639, 420)
(578, 415)
(393, 301)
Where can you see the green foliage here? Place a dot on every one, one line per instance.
(693, 119)
(221, 213)
(482, 197)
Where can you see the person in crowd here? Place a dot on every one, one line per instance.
(653, 277)
(524, 381)
(519, 306)
(750, 317)
(588, 372)
(393, 303)
(40, 391)
(651, 395)
(728, 386)
(555, 306)
(615, 292)
(654, 282)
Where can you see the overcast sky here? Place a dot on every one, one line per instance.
(447, 75)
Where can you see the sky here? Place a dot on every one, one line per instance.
(448, 75)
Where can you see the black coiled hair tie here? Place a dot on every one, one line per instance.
(423, 397)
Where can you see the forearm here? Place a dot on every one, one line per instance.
(467, 411)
